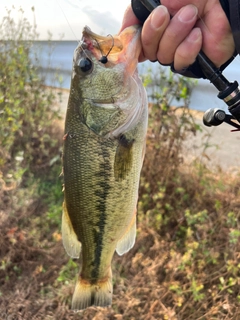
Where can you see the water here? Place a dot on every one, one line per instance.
(55, 58)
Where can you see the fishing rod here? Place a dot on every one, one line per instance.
(229, 92)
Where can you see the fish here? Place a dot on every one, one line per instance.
(103, 150)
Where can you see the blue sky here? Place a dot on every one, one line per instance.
(101, 16)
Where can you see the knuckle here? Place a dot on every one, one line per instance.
(164, 59)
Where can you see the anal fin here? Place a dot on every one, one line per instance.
(69, 237)
(128, 239)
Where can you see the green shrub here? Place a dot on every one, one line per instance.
(169, 127)
(27, 134)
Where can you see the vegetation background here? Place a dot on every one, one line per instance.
(186, 260)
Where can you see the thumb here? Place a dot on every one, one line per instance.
(129, 19)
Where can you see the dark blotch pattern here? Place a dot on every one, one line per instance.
(103, 189)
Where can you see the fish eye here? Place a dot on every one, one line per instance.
(85, 65)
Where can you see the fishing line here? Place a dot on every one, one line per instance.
(104, 58)
(67, 21)
(236, 57)
(78, 41)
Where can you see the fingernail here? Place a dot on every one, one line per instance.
(158, 16)
(194, 35)
(188, 13)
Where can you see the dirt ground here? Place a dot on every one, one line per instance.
(218, 146)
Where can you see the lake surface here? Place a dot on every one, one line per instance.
(55, 59)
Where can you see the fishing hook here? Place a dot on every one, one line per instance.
(104, 58)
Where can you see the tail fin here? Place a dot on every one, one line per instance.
(98, 294)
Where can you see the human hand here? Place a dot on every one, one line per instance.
(195, 25)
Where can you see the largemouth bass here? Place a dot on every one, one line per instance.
(104, 146)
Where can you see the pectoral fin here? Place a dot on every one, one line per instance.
(128, 239)
(123, 157)
(69, 237)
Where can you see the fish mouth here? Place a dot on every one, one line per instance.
(102, 43)
(124, 47)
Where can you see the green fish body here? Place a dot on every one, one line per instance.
(104, 145)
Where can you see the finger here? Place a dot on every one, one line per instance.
(153, 30)
(129, 19)
(188, 50)
(178, 29)
(174, 6)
